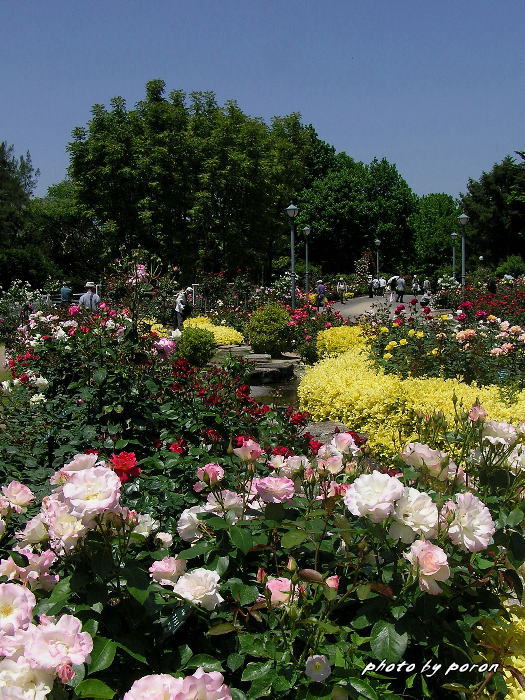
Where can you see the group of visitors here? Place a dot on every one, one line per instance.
(398, 288)
(90, 300)
(376, 286)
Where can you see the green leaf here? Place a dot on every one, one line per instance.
(363, 687)
(243, 593)
(517, 549)
(256, 669)
(195, 551)
(90, 626)
(386, 643)
(515, 517)
(221, 628)
(134, 654)
(293, 538)
(95, 689)
(121, 444)
(241, 538)
(235, 661)
(99, 375)
(274, 511)
(208, 663)
(140, 594)
(102, 656)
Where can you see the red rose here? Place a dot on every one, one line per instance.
(125, 466)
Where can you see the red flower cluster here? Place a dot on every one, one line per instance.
(125, 466)
(281, 450)
(180, 446)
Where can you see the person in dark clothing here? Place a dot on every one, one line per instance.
(320, 292)
(491, 286)
(66, 294)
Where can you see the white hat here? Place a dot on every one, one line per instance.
(90, 284)
(189, 289)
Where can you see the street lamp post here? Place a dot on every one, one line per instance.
(306, 231)
(378, 243)
(292, 212)
(463, 220)
(454, 235)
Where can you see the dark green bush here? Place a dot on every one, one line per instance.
(267, 330)
(513, 265)
(196, 345)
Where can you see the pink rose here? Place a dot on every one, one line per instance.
(280, 590)
(167, 571)
(56, 644)
(274, 489)
(430, 563)
(92, 491)
(16, 607)
(158, 687)
(249, 452)
(73, 310)
(211, 473)
(333, 582)
(205, 686)
(477, 413)
(18, 495)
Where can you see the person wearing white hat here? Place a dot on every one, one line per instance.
(90, 299)
(183, 306)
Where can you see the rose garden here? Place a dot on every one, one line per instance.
(301, 490)
(166, 535)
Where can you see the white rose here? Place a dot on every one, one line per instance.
(189, 526)
(146, 525)
(373, 495)
(200, 586)
(504, 431)
(418, 455)
(414, 513)
(37, 398)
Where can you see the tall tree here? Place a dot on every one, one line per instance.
(17, 180)
(433, 221)
(496, 206)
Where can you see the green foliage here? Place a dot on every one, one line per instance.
(197, 345)
(496, 206)
(267, 330)
(513, 265)
(434, 219)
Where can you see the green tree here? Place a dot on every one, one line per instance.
(496, 206)
(351, 206)
(433, 221)
(17, 181)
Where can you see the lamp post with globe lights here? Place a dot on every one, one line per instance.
(306, 231)
(378, 243)
(292, 212)
(454, 235)
(463, 220)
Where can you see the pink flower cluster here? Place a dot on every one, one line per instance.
(201, 685)
(35, 654)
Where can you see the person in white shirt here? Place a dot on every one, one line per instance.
(342, 288)
(382, 286)
(90, 299)
(183, 306)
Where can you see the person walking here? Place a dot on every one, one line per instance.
(66, 294)
(415, 286)
(183, 306)
(400, 288)
(342, 289)
(370, 279)
(375, 286)
(392, 283)
(382, 286)
(426, 286)
(90, 299)
(320, 295)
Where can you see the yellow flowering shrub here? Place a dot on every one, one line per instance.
(351, 389)
(223, 335)
(510, 640)
(154, 326)
(333, 341)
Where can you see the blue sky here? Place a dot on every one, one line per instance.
(435, 86)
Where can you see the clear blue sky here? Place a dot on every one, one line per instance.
(435, 86)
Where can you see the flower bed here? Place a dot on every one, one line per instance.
(352, 389)
(312, 569)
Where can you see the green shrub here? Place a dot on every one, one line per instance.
(196, 345)
(267, 330)
(514, 265)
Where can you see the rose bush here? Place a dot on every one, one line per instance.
(308, 575)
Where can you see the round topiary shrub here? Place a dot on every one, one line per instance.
(197, 345)
(267, 330)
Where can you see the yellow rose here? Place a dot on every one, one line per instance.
(393, 344)
(411, 332)
(387, 355)
(445, 317)
(403, 341)
(383, 329)
(491, 317)
(420, 334)
(434, 351)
